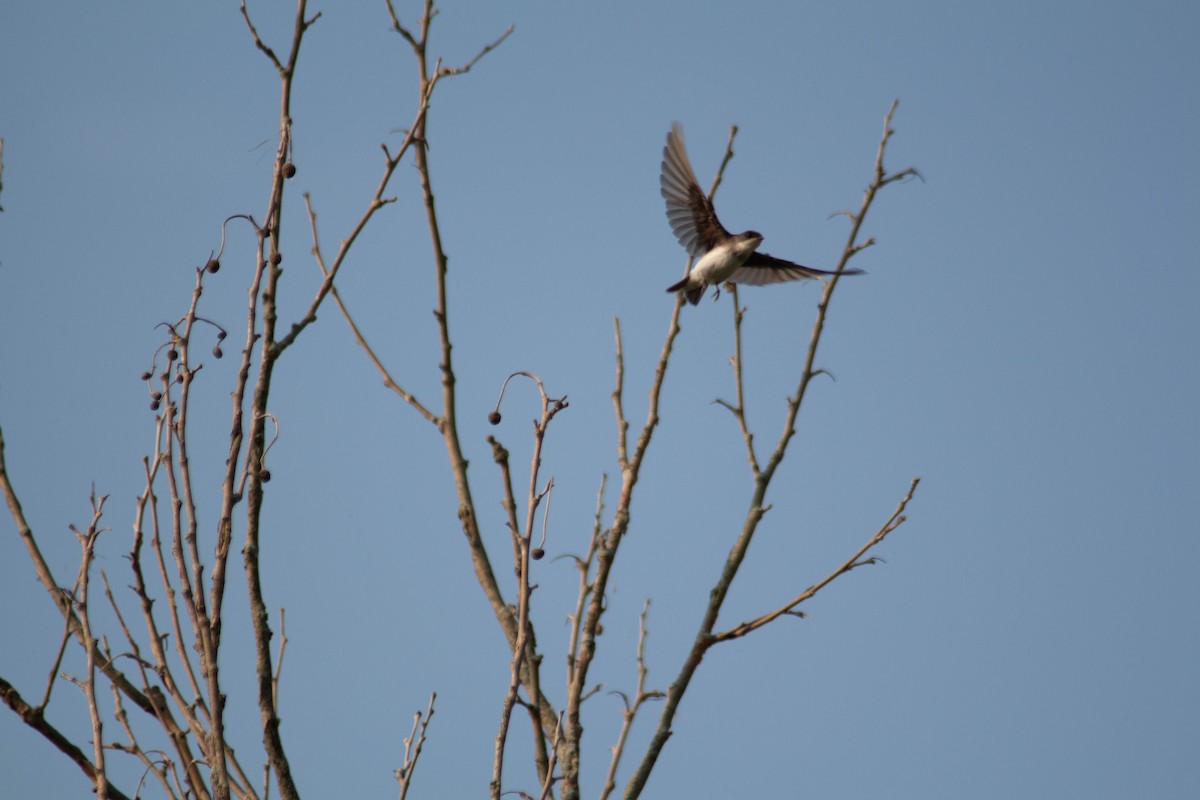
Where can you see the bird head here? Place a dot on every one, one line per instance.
(749, 240)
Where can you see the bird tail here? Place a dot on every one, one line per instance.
(693, 295)
(851, 271)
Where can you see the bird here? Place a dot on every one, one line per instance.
(720, 255)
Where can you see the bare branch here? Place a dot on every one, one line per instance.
(53, 677)
(739, 409)
(758, 507)
(388, 380)
(445, 72)
(548, 781)
(267, 275)
(160, 767)
(301, 26)
(258, 42)
(607, 550)
(517, 634)
(630, 711)
(524, 659)
(412, 747)
(518, 661)
(584, 565)
(87, 545)
(33, 718)
(789, 608)
(283, 640)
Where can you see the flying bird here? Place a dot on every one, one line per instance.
(720, 255)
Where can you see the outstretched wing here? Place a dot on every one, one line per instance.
(689, 210)
(761, 269)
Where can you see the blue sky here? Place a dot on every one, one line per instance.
(1024, 342)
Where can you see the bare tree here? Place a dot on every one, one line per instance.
(166, 678)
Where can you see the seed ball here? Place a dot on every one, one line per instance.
(265, 476)
(213, 265)
(537, 553)
(494, 417)
(217, 352)
(289, 170)
(146, 375)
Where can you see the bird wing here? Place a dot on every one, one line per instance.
(761, 269)
(690, 212)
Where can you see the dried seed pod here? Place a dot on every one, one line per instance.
(213, 265)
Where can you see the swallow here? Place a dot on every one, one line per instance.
(720, 255)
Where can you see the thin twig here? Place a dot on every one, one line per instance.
(739, 380)
(893, 522)
(388, 380)
(629, 713)
(548, 781)
(584, 565)
(87, 545)
(58, 658)
(413, 745)
(283, 641)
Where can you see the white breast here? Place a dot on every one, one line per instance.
(722, 261)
